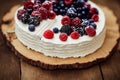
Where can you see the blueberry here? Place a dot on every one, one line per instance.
(25, 17)
(31, 27)
(79, 9)
(93, 25)
(55, 30)
(96, 11)
(79, 15)
(62, 5)
(29, 10)
(56, 10)
(71, 12)
(80, 2)
(91, 21)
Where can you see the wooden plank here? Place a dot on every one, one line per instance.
(111, 68)
(9, 65)
(29, 72)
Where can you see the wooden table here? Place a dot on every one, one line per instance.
(11, 66)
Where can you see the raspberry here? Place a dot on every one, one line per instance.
(47, 5)
(36, 14)
(76, 22)
(44, 13)
(51, 15)
(92, 11)
(20, 12)
(63, 36)
(74, 35)
(28, 4)
(68, 2)
(90, 31)
(95, 18)
(65, 20)
(48, 34)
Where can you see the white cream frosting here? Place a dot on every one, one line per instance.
(55, 47)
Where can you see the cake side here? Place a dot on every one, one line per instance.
(56, 48)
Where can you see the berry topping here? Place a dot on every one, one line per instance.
(93, 25)
(65, 20)
(51, 15)
(34, 20)
(71, 12)
(36, 14)
(28, 4)
(29, 10)
(31, 27)
(20, 12)
(68, 2)
(44, 13)
(63, 36)
(90, 31)
(93, 11)
(47, 5)
(66, 29)
(74, 35)
(55, 30)
(76, 22)
(80, 30)
(48, 34)
(95, 18)
(25, 17)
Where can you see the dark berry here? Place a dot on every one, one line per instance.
(31, 27)
(29, 10)
(80, 30)
(71, 12)
(79, 15)
(91, 21)
(55, 30)
(25, 17)
(66, 29)
(80, 2)
(85, 23)
(93, 25)
(34, 20)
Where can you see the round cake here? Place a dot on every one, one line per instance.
(60, 28)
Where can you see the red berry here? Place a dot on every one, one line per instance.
(51, 15)
(65, 20)
(92, 11)
(90, 31)
(44, 13)
(76, 22)
(36, 14)
(63, 36)
(48, 34)
(20, 12)
(47, 5)
(68, 2)
(95, 18)
(74, 35)
(28, 4)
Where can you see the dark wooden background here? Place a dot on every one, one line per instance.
(10, 65)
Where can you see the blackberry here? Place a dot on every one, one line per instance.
(29, 10)
(34, 20)
(80, 30)
(85, 23)
(66, 29)
(25, 17)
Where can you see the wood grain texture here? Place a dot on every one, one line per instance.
(33, 73)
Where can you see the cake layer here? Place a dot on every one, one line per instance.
(55, 47)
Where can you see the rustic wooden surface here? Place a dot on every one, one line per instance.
(10, 66)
